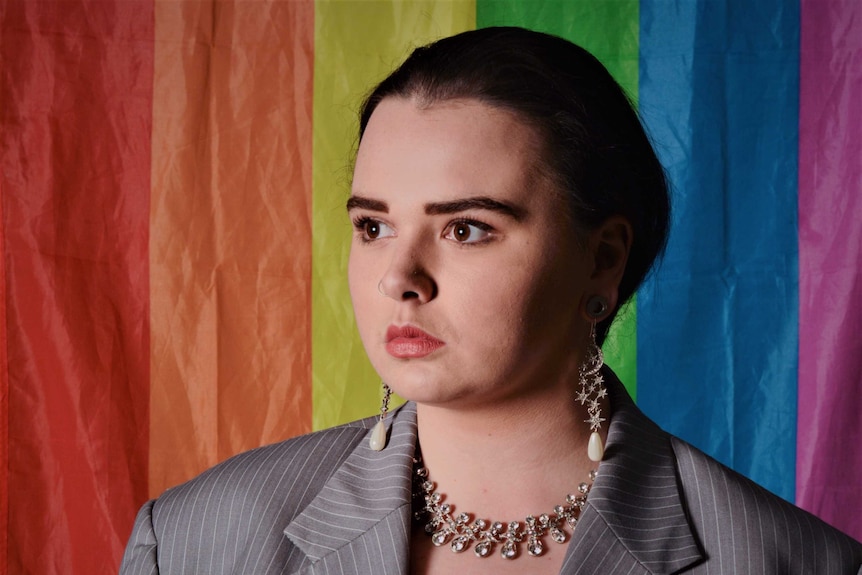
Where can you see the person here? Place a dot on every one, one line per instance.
(505, 202)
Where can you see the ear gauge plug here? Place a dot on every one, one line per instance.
(596, 307)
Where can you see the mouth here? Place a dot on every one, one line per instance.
(409, 342)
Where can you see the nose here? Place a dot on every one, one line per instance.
(407, 279)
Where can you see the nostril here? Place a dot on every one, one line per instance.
(410, 295)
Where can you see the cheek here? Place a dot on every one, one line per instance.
(362, 288)
(526, 299)
(499, 303)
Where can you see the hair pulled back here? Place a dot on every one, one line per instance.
(595, 149)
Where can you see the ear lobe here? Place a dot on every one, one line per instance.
(610, 246)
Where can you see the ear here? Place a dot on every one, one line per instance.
(609, 247)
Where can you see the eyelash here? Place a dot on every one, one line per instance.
(470, 222)
(360, 223)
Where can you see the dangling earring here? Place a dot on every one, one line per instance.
(378, 434)
(592, 382)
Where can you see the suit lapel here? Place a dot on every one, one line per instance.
(635, 518)
(360, 520)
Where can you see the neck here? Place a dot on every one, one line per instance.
(508, 460)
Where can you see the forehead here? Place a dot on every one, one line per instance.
(454, 145)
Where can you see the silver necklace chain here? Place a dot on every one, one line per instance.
(460, 531)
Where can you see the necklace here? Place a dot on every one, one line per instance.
(458, 530)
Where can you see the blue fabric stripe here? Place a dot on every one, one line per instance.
(718, 324)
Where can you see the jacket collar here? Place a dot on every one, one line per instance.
(635, 503)
(635, 508)
(367, 500)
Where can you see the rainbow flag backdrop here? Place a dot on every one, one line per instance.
(173, 178)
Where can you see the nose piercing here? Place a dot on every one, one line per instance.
(380, 288)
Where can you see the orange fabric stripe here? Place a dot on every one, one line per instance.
(230, 255)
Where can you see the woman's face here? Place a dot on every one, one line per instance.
(466, 275)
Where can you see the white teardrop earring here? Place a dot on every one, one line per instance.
(592, 389)
(378, 434)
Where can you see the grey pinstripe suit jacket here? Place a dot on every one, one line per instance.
(326, 504)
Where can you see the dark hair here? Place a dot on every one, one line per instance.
(595, 150)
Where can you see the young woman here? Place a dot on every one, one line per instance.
(505, 201)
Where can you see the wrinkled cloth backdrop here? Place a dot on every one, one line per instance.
(174, 240)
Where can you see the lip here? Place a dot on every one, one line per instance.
(410, 342)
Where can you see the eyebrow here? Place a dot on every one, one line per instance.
(476, 203)
(361, 203)
(444, 208)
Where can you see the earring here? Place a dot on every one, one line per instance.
(591, 392)
(378, 434)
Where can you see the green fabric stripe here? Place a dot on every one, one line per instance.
(356, 45)
(608, 29)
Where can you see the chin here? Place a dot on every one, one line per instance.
(415, 384)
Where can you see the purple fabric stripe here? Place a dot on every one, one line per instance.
(829, 457)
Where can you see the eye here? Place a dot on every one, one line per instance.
(467, 231)
(370, 229)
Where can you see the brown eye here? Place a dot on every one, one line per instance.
(461, 232)
(467, 232)
(369, 229)
(372, 229)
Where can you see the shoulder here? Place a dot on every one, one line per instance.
(233, 517)
(287, 471)
(235, 513)
(738, 521)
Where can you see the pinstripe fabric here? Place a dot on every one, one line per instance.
(326, 504)
(749, 530)
(637, 498)
(661, 506)
(346, 509)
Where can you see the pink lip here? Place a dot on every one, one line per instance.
(407, 341)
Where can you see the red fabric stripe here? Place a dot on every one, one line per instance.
(4, 398)
(75, 118)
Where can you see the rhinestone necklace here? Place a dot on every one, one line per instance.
(460, 533)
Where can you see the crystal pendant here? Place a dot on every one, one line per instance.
(459, 544)
(440, 537)
(558, 535)
(509, 550)
(482, 549)
(535, 547)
